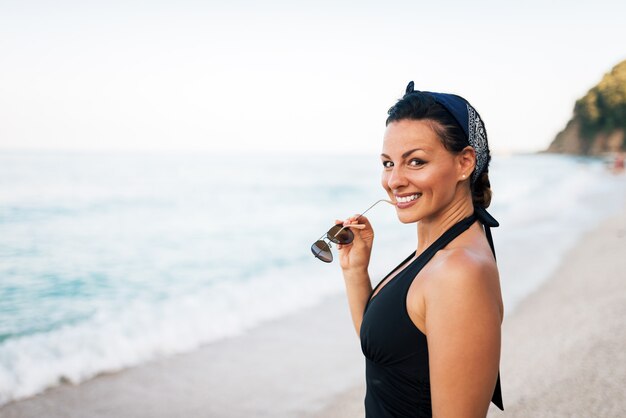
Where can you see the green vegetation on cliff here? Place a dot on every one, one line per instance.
(599, 121)
(603, 108)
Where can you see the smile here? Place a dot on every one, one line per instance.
(407, 199)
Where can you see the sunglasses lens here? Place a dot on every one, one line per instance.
(340, 236)
(321, 250)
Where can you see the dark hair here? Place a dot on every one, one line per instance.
(421, 106)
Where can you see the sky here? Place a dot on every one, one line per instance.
(290, 76)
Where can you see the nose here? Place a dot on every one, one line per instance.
(396, 178)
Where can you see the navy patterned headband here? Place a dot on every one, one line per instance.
(469, 120)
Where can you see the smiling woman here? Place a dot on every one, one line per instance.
(430, 330)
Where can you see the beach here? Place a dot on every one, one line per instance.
(562, 356)
(286, 368)
(169, 173)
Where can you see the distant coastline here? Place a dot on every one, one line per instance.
(598, 123)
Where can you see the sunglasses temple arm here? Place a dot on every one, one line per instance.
(364, 212)
(374, 204)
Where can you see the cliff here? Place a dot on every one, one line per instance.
(598, 124)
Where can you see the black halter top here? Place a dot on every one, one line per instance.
(396, 357)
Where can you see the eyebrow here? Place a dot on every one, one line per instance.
(406, 154)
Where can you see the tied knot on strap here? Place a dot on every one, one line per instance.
(488, 222)
(485, 217)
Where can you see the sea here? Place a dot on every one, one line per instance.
(111, 260)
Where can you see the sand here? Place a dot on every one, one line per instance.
(564, 348)
(563, 355)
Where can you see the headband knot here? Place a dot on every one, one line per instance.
(410, 88)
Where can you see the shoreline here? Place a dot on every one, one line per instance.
(291, 366)
(562, 355)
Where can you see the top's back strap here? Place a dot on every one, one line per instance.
(488, 222)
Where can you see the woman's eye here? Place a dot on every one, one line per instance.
(387, 164)
(416, 162)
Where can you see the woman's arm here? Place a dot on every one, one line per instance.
(358, 290)
(354, 259)
(463, 318)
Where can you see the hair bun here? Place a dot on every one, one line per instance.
(410, 88)
(481, 190)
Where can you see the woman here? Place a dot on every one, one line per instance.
(430, 330)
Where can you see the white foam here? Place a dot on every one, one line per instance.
(143, 331)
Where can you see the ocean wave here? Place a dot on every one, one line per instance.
(141, 331)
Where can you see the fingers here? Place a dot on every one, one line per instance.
(355, 221)
(358, 224)
(351, 220)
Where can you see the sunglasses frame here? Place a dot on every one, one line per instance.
(326, 239)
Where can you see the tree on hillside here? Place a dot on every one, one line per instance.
(603, 108)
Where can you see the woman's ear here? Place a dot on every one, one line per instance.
(466, 162)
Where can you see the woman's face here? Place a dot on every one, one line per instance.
(418, 171)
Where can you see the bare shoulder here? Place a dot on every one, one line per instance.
(463, 266)
(465, 276)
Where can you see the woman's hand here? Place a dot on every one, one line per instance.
(356, 255)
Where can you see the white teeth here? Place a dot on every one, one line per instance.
(406, 199)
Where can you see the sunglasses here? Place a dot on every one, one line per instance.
(338, 234)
